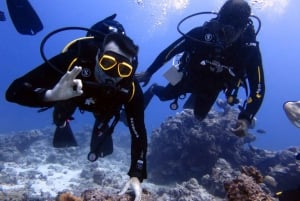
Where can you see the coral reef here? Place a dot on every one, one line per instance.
(188, 160)
(246, 186)
(66, 196)
(184, 148)
(187, 191)
(190, 148)
(97, 195)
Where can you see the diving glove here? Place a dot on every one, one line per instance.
(241, 128)
(135, 184)
(143, 77)
(67, 87)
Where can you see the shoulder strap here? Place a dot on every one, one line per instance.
(73, 42)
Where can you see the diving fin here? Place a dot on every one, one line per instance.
(24, 17)
(63, 137)
(2, 16)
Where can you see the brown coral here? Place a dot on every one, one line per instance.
(253, 172)
(66, 196)
(246, 186)
(98, 195)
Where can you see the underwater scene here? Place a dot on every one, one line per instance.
(141, 124)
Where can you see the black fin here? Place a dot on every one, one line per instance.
(24, 17)
(2, 16)
(63, 137)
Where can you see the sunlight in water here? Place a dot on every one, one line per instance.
(274, 6)
(178, 4)
(160, 10)
(165, 7)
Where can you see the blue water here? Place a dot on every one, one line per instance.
(152, 25)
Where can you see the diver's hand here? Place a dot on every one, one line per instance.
(241, 128)
(292, 111)
(67, 87)
(135, 184)
(143, 77)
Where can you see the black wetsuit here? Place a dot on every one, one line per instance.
(104, 102)
(206, 69)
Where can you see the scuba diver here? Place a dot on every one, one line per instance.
(221, 55)
(95, 74)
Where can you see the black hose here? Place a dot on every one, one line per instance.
(214, 13)
(45, 39)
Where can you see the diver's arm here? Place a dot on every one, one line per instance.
(255, 75)
(168, 53)
(67, 87)
(29, 90)
(182, 44)
(135, 118)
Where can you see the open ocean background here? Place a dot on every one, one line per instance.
(152, 25)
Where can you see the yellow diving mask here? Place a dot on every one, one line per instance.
(115, 64)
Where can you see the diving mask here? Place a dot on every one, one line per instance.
(115, 65)
(228, 34)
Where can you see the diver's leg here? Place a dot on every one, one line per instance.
(203, 103)
(101, 140)
(166, 93)
(63, 111)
